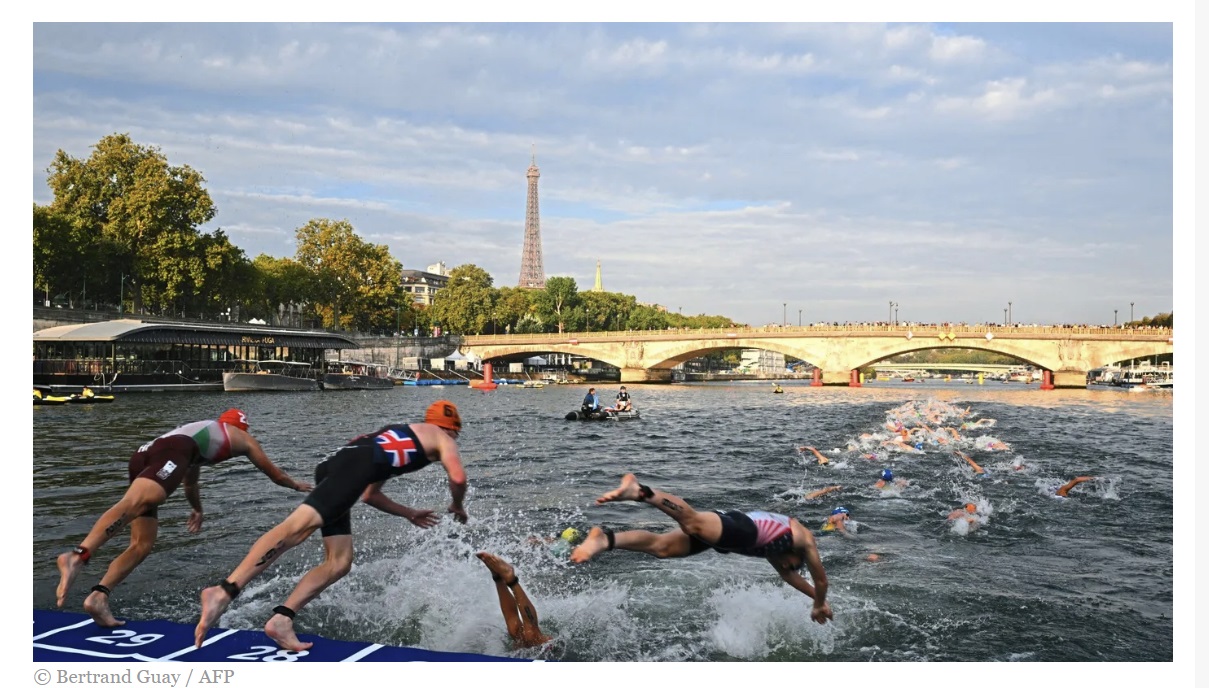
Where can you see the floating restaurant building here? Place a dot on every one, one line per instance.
(137, 355)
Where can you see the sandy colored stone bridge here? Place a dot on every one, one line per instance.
(1066, 353)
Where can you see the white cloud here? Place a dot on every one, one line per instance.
(872, 158)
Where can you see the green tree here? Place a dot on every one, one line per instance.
(645, 317)
(278, 282)
(467, 302)
(558, 300)
(144, 209)
(353, 283)
(512, 306)
(62, 253)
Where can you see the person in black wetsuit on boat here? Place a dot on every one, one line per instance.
(623, 401)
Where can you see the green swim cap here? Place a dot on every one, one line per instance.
(571, 535)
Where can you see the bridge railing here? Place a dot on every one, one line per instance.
(916, 330)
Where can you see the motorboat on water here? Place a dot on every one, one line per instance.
(604, 414)
(356, 375)
(270, 376)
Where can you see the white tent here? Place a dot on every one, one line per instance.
(535, 361)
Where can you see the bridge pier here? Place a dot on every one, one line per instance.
(841, 377)
(646, 375)
(1070, 379)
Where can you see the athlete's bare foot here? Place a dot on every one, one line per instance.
(499, 567)
(281, 629)
(97, 606)
(593, 544)
(627, 491)
(214, 601)
(69, 565)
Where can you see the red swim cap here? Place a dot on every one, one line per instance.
(444, 414)
(234, 417)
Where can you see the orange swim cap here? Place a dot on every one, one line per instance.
(444, 414)
(971, 508)
(234, 417)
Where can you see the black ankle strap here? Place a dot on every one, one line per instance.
(101, 589)
(647, 492)
(284, 611)
(229, 588)
(608, 534)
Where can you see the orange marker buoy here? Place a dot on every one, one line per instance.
(488, 381)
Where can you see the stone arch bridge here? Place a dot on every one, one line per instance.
(1067, 353)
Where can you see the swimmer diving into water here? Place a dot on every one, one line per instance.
(782, 541)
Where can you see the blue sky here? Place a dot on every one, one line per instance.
(711, 168)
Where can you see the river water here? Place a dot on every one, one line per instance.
(1038, 578)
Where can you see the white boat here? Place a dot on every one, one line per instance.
(270, 376)
(356, 375)
(1148, 376)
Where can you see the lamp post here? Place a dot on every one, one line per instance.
(1114, 317)
(784, 319)
(1005, 317)
(890, 313)
(398, 330)
(1009, 313)
(1131, 311)
(799, 317)
(896, 314)
(122, 297)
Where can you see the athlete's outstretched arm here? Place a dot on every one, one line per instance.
(243, 443)
(374, 497)
(452, 461)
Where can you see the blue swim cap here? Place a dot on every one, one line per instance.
(838, 510)
(887, 474)
(919, 446)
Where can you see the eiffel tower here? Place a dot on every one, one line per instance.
(533, 276)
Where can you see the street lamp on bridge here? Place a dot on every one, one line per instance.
(1005, 317)
(784, 319)
(890, 313)
(799, 317)
(1114, 317)
(1009, 313)
(1131, 311)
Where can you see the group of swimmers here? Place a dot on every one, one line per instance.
(356, 472)
(913, 428)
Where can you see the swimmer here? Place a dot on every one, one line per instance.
(837, 522)
(354, 472)
(819, 493)
(822, 459)
(784, 542)
(976, 467)
(898, 442)
(519, 613)
(1062, 491)
(171, 460)
(561, 545)
(886, 479)
(968, 512)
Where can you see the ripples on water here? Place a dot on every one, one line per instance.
(1040, 579)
